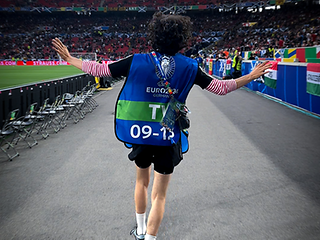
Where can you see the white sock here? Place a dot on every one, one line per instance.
(150, 237)
(141, 223)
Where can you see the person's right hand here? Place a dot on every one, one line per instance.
(61, 49)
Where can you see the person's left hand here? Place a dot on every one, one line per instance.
(61, 49)
(260, 69)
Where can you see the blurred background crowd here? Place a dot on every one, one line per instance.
(115, 34)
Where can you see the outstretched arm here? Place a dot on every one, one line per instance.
(91, 67)
(258, 71)
(63, 51)
(222, 87)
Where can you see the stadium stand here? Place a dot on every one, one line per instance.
(114, 35)
(117, 3)
(108, 3)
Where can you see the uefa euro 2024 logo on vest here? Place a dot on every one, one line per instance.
(168, 66)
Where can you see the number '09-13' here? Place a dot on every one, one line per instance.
(146, 131)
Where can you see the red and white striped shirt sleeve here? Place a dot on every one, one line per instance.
(96, 69)
(221, 87)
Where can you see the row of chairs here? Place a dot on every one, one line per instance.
(40, 120)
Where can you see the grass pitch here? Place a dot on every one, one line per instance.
(13, 76)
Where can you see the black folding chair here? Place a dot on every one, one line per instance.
(73, 104)
(62, 110)
(25, 126)
(42, 119)
(9, 131)
(89, 103)
(54, 118)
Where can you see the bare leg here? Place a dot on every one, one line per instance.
(141, 190)
(158, 200)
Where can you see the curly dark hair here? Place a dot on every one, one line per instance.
(169, 33)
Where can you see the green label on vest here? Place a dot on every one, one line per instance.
(140, 111)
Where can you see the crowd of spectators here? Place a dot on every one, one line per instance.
(283, 28)
(110, 3)
(287, 27)
(28, 35)
(114, 35)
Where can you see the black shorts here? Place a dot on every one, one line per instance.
(163, 158)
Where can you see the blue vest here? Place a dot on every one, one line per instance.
(143, 100)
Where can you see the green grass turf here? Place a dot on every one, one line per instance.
(13, 76)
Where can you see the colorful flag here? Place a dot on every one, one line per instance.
(228, 67)
(277, 54)
(210, 66)
(292, 53)
(318, 52)
(270, 79)
(280, 2)
(311, 52)
(246, 55)
(301, 54)
(313, 79)
(248, 24)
